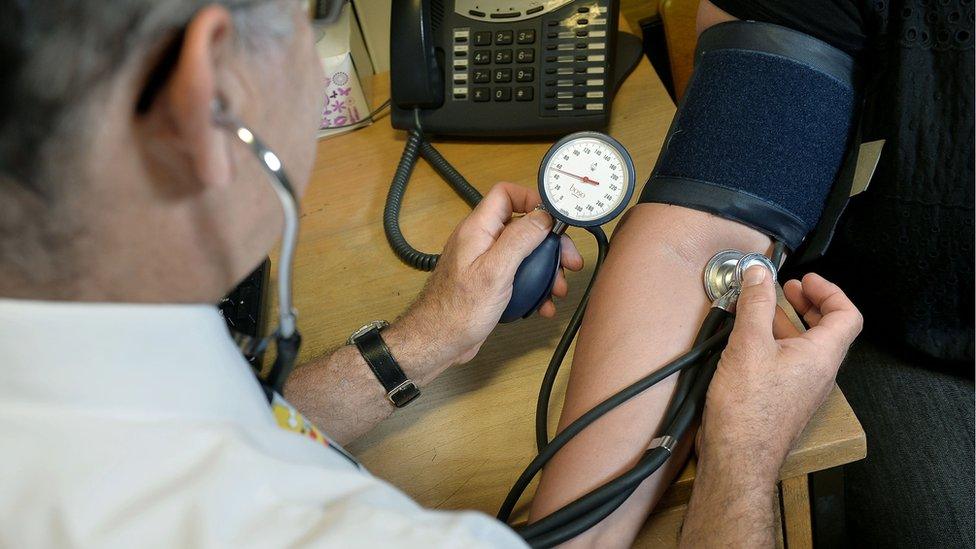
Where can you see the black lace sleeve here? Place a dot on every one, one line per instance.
(837, 22)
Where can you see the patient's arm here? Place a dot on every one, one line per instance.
(645, 310)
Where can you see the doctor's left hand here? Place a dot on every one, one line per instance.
(472, 283)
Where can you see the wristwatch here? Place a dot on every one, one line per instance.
(399, 389)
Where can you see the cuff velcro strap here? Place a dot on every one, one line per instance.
(761, 132)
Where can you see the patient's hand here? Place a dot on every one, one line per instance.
(772, 377)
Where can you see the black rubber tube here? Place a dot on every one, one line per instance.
(580, 524)
(549, 379)
(687, 376)
(651, 461)
(601, 409)
(571, 516)
(588, 510)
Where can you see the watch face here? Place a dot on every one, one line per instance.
(586, 179)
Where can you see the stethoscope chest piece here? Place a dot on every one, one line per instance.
(723, 272)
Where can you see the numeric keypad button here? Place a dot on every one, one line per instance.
(481, 57)
(504, 38)
(503, 94)
(525, 36)
(502, 75)
(481, 76)
(503, 57)
(525, 55)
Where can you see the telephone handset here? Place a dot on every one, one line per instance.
(505, 67)
(415, 74)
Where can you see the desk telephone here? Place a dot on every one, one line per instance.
(506, 67)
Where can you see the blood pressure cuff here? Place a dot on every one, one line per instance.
(762, 130)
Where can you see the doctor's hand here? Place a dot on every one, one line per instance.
(772, 377)
(472, 283)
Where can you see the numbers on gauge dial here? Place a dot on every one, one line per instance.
(585, 179)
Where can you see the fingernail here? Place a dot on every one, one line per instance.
(754, 276)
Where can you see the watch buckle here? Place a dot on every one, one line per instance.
(403, 394)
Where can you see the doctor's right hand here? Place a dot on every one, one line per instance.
(472, 283)
(772, 377)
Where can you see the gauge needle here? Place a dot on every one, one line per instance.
(582, 178)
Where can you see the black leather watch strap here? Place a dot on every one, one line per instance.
(399, 389)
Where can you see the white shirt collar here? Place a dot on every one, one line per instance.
(126, 359)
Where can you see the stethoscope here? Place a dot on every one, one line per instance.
(575, 180)
(286, 337)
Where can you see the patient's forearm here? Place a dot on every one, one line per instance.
(645, 310)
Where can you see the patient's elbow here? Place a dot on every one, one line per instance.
(687, 235)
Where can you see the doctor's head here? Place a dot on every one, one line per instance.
(115, 183)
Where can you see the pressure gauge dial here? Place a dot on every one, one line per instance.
(586, 179)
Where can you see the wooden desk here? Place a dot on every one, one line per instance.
(464, 442)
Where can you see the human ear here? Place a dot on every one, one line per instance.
(199, 80)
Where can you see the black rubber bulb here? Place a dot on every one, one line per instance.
(534, 280)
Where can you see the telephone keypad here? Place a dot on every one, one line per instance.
(504, 37)
(568, 46)
(503, 57)
(503, 75)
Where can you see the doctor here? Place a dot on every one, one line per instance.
(128, 417)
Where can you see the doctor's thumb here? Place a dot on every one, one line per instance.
(519, 238)
(756, 306)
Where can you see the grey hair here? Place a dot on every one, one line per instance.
(55, 55)
(55, 59)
